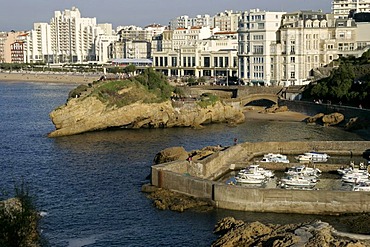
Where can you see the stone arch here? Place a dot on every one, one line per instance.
(253, 97)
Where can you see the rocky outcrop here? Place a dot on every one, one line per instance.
(332, 119)
(179, 153)
(85, 114)
(238, 233)
(275, 109)
(168, 200)
(326, 120)
(171, 154)
(315, 118)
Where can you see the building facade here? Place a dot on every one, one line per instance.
(343, 8)
(197, 51)
(257, 35)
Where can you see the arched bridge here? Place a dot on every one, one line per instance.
(246, 99)
(245, 94)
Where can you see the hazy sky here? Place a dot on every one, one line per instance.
(21, 14)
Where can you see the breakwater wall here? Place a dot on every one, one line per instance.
(311, 109)
(197, 179)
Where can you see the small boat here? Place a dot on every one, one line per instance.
(303, 171)
(298, 181)
(275, 158)
(362, 186)
(303, 158)
(313, 157)
(253, 174)
(256, 171)
(317, 155)
(247, 179)
(355, 177)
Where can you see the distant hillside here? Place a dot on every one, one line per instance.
(348, 84)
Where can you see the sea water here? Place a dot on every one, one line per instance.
(88, 186)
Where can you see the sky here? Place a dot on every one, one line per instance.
(19, 15)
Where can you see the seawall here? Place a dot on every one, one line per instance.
(311, 108)
(198, 179)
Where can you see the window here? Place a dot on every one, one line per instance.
(258, 49)
(292, 75)
(292, 59)
(207, 62)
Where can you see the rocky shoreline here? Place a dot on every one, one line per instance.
(239, 233)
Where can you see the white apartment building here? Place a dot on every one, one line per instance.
(201, 21)
(72, 36)
(180, 22)
(38, 44)
(257, 35)
(185, 21)
(342, 8)
(227, 20)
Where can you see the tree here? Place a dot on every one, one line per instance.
(19, 220)
(129, 69)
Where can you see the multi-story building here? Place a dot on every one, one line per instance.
(197, 51)
(257, 35)
(3, 37)
(38, 44)
(227, 21)
(343, 8)
(72, 37)
(11, 43)
(180, 22)
(202, 21)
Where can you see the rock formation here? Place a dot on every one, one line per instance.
(332, 119)
(315, 118)
(238, 233)
(168, 200)
(171, 154)
(326, 120)
(85, 114)
(275, 109)
(179, 153)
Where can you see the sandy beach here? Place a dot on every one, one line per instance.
(48, 77)
(255, 113)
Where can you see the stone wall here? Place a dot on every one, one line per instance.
(311, 108)
(291, 201)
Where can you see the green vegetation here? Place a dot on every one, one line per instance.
(207, 100)
(149, 87)
(349, 84)
(19, 220)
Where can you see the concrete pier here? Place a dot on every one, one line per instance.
(198, 179)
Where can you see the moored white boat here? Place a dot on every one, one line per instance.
(303, 170)
(355, 177)
(313, 157)
(253, 174)
(298, 181)
(275, 158)
(363, 186)
(317, 155)
(248, 179)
